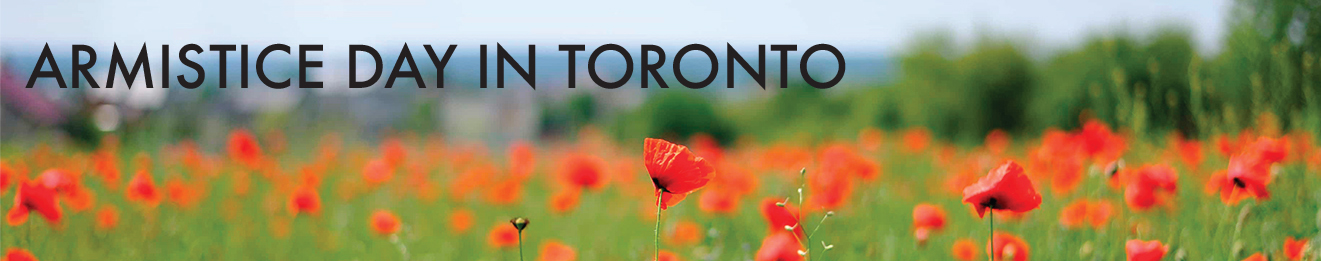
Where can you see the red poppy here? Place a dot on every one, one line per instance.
(1004, 188)
(244, 149)
(779, 247)
(927, 219)
(1139, 250)
(18, 254)
(305, 200)
(504, 192)
(707, 147)
(1249, 172)
(997, 141)
(1149, 186)
(733, 178)
(718, 201)
(583, 171)
(384, 223)
(502, 235)
(916, 140)
(377, 171)
(1009, 247)
(674, 170)
(964, 250)
(553, 250)
(667, 256)
(7, 177)
(779, 217)
(564, 201)
(394, 152)
(32, 196)
(1084, 211)
(1293, 249)
(522, 159)
(184, 195)
(831, 188)
(1190, 151)
(1099, 143)
(871, 138)
(460, 221)
(107, 218)
(684, 233)
(143, 190)
(1255, 257)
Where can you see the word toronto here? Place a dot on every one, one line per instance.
(648, 67)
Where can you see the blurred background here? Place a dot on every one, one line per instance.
(959, 68)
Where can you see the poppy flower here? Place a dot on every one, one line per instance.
(734, 178)
(997, 141)
(916, 140)
(107, 218)
(684, 233)
(522, 159)
(964, 250)
(1085, 212)
(377, 171)
(831, 189)
(7, 177)
(1249, 172)
(1149, 186)
(707, 147)
(32, 196)
(384, 223)
(718, 201)
(583, 171)
(674, 171)
(460, 221)
(779, 247)
(142, 190)
(183, 195)
(927, 219)
(305, 200)
(1099, 143)
(553, 250)
(1009, 247)
(18, 254)
(243, 148)
(1004, 188)
(564, 201)
(1190, 151)
(1255, 257)
(502, 235)
(1138, 250)
(779, 217)
(78, 197)
(505, 192)
(667, 256)
(1293, 249)
(871, 138)
(394, 152)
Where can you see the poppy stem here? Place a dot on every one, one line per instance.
(990, 252)
(520, 245)
(656, 239)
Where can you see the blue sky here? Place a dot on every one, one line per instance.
(870, 24)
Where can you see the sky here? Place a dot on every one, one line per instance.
(884, 25)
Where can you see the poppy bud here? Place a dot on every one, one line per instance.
(519, 223)
(1113, 168)
(830, 213)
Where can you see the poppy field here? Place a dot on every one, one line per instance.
(1092, 193)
